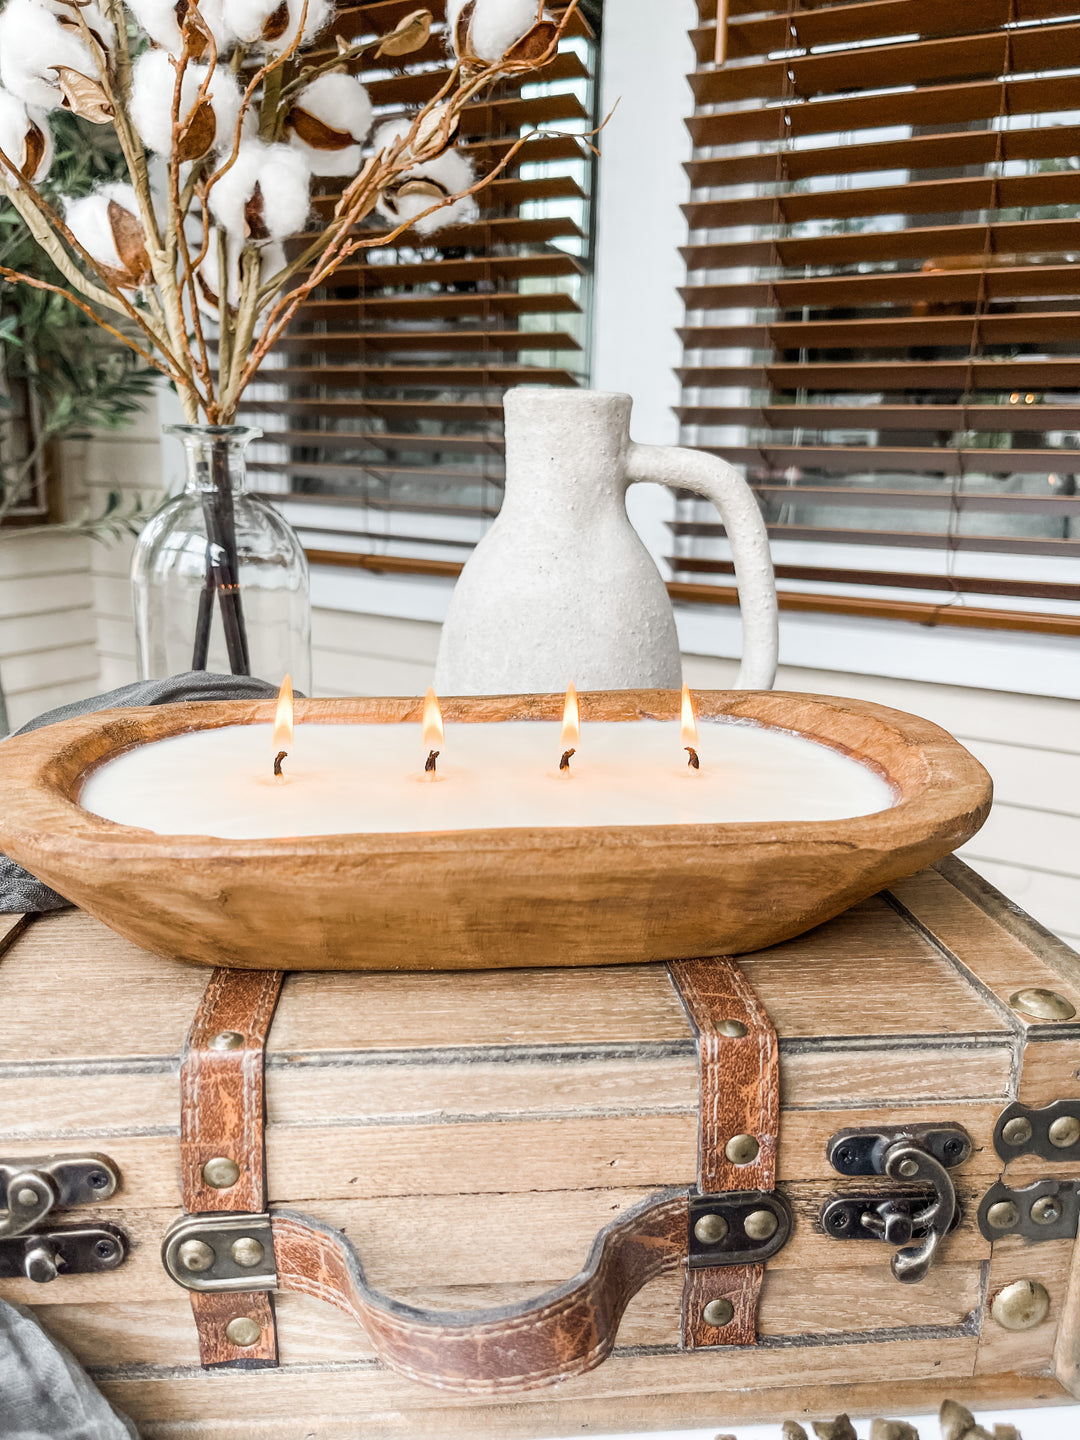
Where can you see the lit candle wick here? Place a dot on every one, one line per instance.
(429, 765)
(571, 728)
(277, 763)
(689, 730)
(283, 725)
(431, 731)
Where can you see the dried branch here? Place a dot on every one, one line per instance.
(18, 277)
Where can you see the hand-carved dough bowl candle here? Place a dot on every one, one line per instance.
(168, 824)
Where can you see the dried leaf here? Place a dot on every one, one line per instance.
(409, 35)
(317, 133)
(83, 97)
(34, 147)
(534, 44)
(435, 128)
(430, 191)
(461, 29)
(130, 242)
(197, 132)
(277, 23)
(254, 221)
(196, 31)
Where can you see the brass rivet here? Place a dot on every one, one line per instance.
(1042, 1004)
(760, 1224)
(247, 1251)
(718, 1312)
(1003, 1215)
(908, 1169)
(1021, 1305)
(196, 1256)
(735, 1029)
(1065, 1131)
(1046, 1211)
(243, 1331)
(221, 1172)
(26, 1197)
(742, 1149)
(1016, 1131)
(711, 1229)
(227, 1040)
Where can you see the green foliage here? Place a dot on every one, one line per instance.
(83, 379)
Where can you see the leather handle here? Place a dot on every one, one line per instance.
(562, 1333)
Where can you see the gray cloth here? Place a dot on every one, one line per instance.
(44, 1392)
(20, 893)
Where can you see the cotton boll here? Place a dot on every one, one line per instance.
(161, 21)
(264, 194)
(32, 44)
(420, 187)
(25, 138)
(153, 83)
(208, 281)
(495, 24)
(327, 114)
(107, 226)
(273, 23)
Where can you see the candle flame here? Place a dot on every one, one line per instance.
(571, 718)
(432, 728)
(689, 719)
(283, 717)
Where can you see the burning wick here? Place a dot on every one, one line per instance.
(689, 730)
(283, 725)
(432, 731)
(571, 728)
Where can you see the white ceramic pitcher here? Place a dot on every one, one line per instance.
(561, 587)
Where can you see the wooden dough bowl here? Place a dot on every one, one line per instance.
(485, 899)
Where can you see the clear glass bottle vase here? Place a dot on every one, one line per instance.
(219, 580)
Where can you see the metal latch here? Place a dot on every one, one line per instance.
(910, 1155)
(230, 1251)
(741, 1227)
(31, 1188)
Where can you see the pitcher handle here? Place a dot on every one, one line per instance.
(721, 483)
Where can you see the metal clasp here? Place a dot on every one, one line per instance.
(740, 1227)
(910, 1154)
(31, 1188)
(215, 1252)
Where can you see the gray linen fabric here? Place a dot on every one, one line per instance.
(44, 1392)
(20, 893)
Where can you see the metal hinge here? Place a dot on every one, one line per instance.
(31, 1188)
(231, 1251)
(741, 1227)
(1047, 1210)
(1052, 1133)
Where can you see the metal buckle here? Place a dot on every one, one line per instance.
(212, 1253)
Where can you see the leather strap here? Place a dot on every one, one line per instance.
(222, 1119)
(740, 1098)
(564, 1332)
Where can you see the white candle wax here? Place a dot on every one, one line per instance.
(345, 779)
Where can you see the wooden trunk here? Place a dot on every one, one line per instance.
(472, 1132)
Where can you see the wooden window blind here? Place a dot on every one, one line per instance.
(883, 303)
(382, 408)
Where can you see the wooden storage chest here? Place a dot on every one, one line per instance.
(471, 1133)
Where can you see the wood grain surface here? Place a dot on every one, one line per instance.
(470, 1133)
(486, 898)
